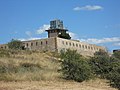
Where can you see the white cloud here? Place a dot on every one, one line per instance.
(103, 40)
(117, 44)
(73, 35)
(42, 29)
(23, 39)
(28, 33)
(88, 8)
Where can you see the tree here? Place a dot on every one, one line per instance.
(64, 35)
(100, 63)
(107, 67)
(116, 54)
(15, 44)
(74, 66)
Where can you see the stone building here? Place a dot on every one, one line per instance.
(58, 44)
(3, 46)
(55, 44)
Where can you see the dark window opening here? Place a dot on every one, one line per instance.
(66, 43)
(91, 48)
(73, 44)
(83, 46)
(70, 44)
(88, 47)
(79, 45)
(31, 44)
(36, 43)
(76, 45)
(27, 44)
(41, 43)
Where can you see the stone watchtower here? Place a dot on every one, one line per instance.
(56, 27)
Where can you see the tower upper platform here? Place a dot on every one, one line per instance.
(56, 27)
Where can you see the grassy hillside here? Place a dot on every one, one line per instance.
(28, 65)
(32, 70)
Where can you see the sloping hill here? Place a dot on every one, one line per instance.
(32, 70)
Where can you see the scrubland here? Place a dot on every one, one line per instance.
(34, 70)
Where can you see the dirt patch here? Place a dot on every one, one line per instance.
(55, 85)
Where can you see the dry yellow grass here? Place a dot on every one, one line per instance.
(46, 78)
(56, 85)
(42, 67)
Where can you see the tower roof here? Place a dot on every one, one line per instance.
(57, 29)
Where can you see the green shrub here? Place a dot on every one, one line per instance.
(114, 74)
(107, 67)
(100, 63)
(15, 44)
(116, 54)
(74, 66)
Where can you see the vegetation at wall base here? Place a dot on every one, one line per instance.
(101, 65)
(15, 44)
(74, 66)
(107, 67)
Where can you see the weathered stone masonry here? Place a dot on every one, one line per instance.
(58, 44)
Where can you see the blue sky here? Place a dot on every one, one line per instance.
(92, 21)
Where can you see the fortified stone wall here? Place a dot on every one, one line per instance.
(47, 44)
(81, 47)
(57, 44)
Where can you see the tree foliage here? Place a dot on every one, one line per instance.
(102, 65)
(116, 54)
(64, 35)
(15, 44)
(74, 66)
(107, 67)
